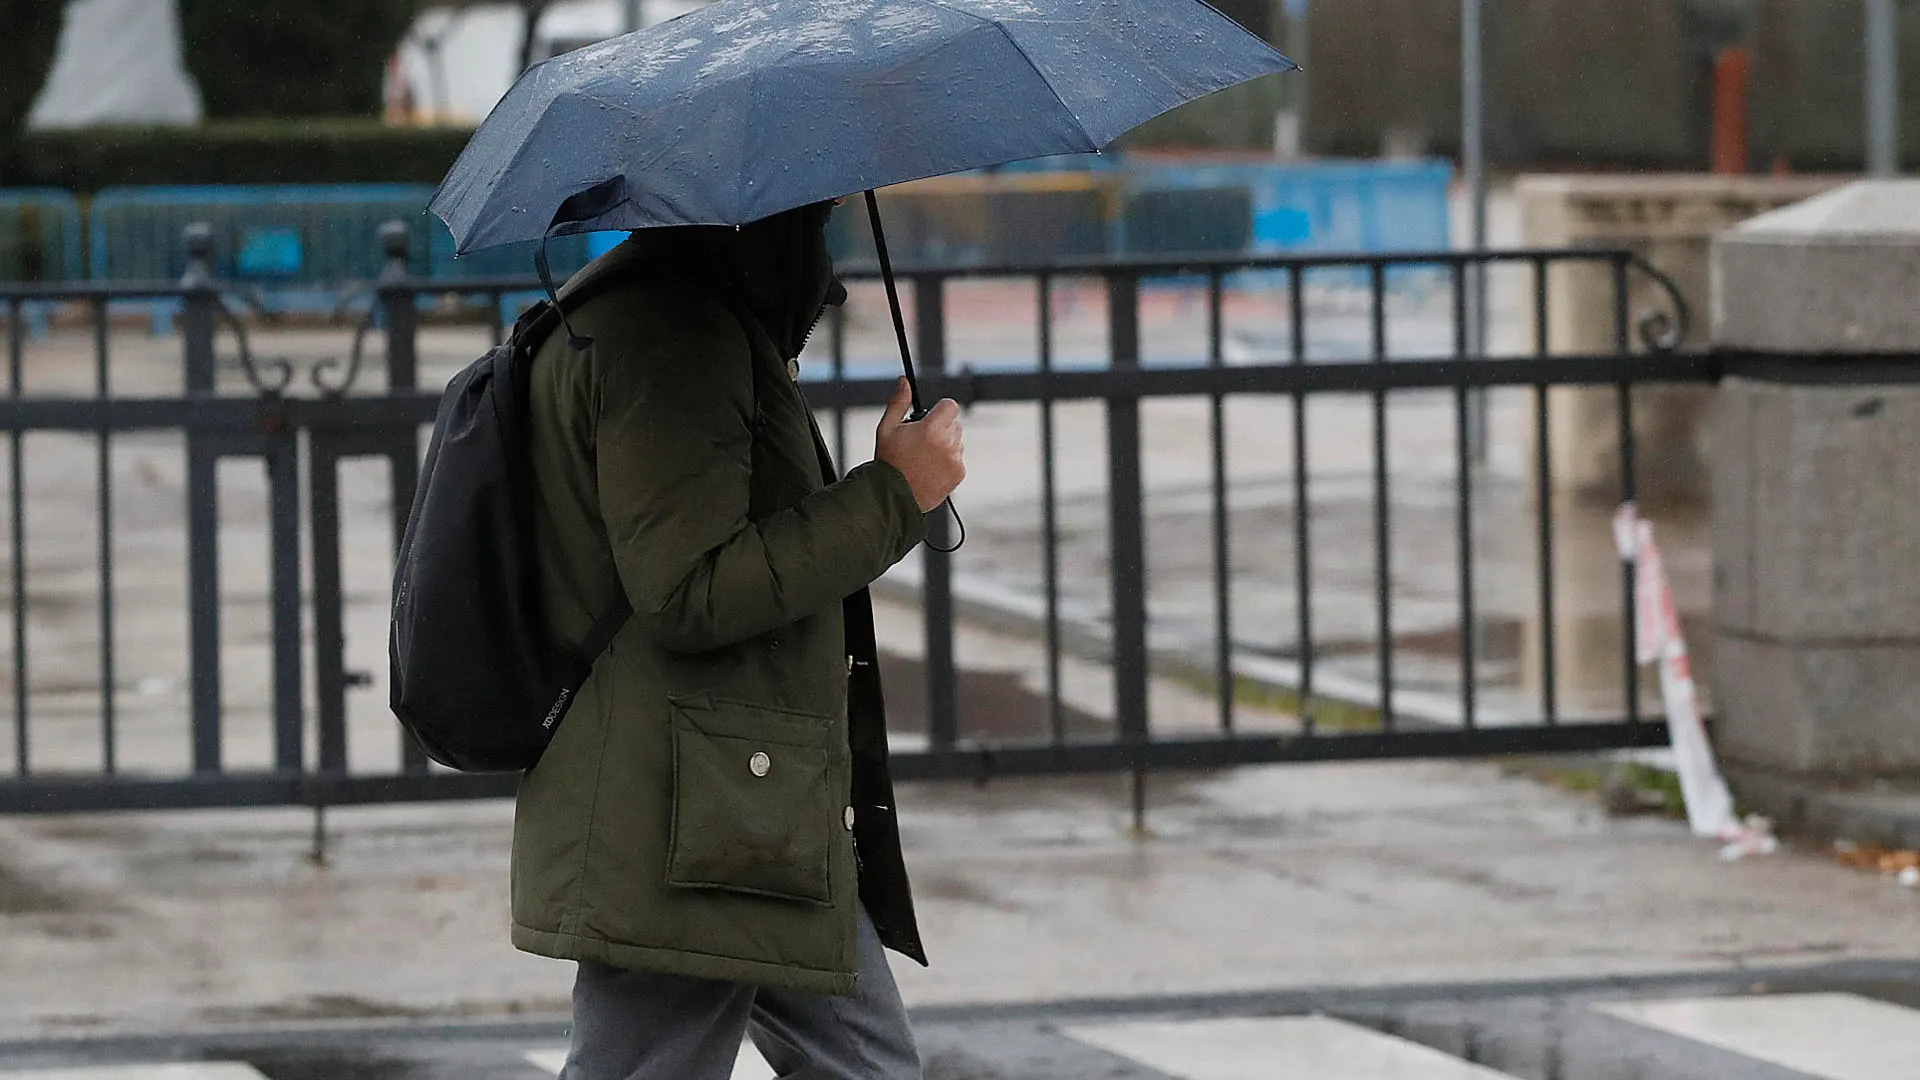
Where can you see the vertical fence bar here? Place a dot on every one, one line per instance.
(1222, 543)
(1629, 568)
(943, 717)
(1127, 536)
(1465, 445)
(398, 310)
(329, 635)
(109, 758)
(203, 590)
(17, 511)
(1050, 521)
(1382, 529)
(289, 697)
(1543, 497)
(1302, 533)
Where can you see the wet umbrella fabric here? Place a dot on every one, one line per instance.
(749, 107)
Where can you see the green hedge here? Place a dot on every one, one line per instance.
(234, 152)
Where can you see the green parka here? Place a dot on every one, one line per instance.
(717, 802)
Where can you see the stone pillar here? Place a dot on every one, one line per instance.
(1816, 489)
(1669, 220)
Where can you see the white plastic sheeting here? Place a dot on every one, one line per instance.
(1710, 810)
(118, 62)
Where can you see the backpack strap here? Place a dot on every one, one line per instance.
(605, 630)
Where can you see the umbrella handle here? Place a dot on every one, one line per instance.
(906, 352)
(893, 303)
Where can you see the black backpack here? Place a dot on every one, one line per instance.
(477, 678)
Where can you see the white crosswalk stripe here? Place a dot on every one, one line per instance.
(1831, 1036)
(1287, 1048)
(194, 1070)
(750, 1066)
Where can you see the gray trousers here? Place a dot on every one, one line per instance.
(635, 1025)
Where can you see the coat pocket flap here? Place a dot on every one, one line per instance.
(753, 802)
(730, 718)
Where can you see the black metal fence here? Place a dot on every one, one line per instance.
(235, 406)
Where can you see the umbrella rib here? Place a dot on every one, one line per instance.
(1024, 55)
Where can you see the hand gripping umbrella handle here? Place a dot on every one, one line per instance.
(906, 352)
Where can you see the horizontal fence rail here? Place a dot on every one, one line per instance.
(303, 438)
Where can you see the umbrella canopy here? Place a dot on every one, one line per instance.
(750, 107)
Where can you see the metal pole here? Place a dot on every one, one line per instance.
(1473, 161)
(633, 15)
(1298, 13)
(1883, 88)
(1473, 404)
(1473, 115)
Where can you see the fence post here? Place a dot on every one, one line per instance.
(397, 310)
(199, 303)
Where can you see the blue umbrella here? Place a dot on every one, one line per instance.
(747, 108)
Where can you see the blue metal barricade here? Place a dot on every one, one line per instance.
(1309, 207)
(282, 237)
(292, 247)
(301, 247)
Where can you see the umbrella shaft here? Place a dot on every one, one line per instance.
(893, 301)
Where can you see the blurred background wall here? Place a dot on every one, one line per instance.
(1596, 83)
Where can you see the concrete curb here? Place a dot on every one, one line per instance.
(1808, 810)
(1273, 1002)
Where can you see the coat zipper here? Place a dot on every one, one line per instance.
(808, 336)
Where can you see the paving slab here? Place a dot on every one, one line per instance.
(1830, 1036)
(1286, 1048)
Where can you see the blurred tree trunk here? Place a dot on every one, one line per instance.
(530, 35)
(29, 33)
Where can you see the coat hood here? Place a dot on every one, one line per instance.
(778, 266)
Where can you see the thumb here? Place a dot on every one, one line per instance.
(899, 406)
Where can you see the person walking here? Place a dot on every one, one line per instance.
(711, 834)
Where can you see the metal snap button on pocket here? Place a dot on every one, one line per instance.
(760, 764)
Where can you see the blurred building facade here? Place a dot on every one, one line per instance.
(1596, 83)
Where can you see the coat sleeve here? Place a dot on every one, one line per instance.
(674, 443)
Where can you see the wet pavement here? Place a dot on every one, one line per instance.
(1249, 881)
